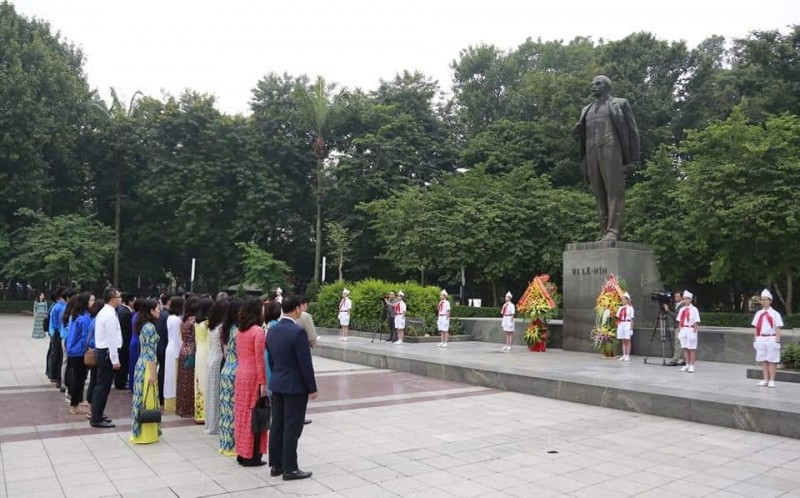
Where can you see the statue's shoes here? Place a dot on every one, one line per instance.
(610, 236)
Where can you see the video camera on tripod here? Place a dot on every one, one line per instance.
(662, 299)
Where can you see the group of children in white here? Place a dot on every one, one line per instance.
(767, 335)
(767, 323)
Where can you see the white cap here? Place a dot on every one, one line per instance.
(278, 291)
(766, 294)
(443, 293)
(400, 294)
(688, 294)
(508, 295)
(626, 295)
(345, 292)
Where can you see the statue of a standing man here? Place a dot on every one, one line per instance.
(609, 147)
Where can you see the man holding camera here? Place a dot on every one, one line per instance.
(677, 356)
(389, 301)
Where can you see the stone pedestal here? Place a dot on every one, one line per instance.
(586, 266)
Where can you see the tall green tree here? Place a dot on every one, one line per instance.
(317, 106)
(43, 95)
(64, 248)
(339, 241)
(120, 130)
(741, 193)
(261, 268)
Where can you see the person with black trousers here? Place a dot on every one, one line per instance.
(125, 316)
(292, 384)
(108, 342)
(163, 338)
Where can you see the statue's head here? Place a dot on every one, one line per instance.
(601, 86)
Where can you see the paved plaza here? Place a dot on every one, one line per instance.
(381, 433)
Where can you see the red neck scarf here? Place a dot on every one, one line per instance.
(764, 316)
(623, 314)
(684, 317)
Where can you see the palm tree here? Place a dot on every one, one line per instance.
(317, 109)
(117, 116)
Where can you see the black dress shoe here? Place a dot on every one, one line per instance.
(246, 462)
(673, 363)
(275, 472)
(306, 421)
(62, 389)
(102, 425)
(296, 474)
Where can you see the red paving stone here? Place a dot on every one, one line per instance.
(47, 405)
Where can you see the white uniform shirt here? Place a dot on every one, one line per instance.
(687, 317)
(107, 333)
(345, 305)
(628, 314)
(444, 308)
(771, 320)
(400, 308)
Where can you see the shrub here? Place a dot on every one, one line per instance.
(790, 356)
(367, 314)
(473, 312)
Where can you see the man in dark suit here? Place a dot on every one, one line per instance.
(125, 316)
(292, 384)
(163, 339)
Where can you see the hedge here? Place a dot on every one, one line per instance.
(367, 297)
(721, 319)
(15, 307)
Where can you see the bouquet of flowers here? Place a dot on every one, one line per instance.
(604, 334)
(538, 303)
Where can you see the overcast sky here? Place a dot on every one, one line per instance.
(225, 47)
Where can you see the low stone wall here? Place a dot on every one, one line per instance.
(780, 375)
(383, 337)
(489, 330)
(721, 344)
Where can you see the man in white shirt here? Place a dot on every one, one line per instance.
(108, 340)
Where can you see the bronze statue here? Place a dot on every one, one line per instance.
(609, 147)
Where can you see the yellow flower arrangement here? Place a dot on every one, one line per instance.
(604, 334)
(538, 303)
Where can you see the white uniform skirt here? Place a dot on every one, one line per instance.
(400, 322)
(443, 323)
(508, 323)
(624, 330)
(344, 319)
(688, 338)
(767, 349)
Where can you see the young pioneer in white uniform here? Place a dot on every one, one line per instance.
(507, 322)
(688, 321)
(767, 339)
(279, 295)
(625, 326)
(400, 317)
(443, 318)
(345, 307)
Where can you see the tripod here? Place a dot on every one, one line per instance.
(660, 327)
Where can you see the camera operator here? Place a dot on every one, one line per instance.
(677, 356)
(389, 301)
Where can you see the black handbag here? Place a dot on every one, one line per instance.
(260, 415)
(148, 415)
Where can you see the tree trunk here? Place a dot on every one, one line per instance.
(117, 212)
(318, 230)
(789, 290)
(422, 276)
(341, 265)
(494, 293)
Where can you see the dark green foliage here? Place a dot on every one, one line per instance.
(790, 356)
